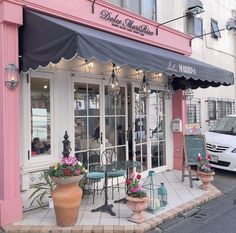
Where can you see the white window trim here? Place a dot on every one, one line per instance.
(41, 162)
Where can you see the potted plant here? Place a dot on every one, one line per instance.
(204, 171)
(43, 190)
(67, 195)
(137, 199)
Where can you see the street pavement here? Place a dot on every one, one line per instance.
(217, 216)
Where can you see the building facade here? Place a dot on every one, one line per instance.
(67, 55)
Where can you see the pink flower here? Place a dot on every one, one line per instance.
(139, 188)
(78, 171)
(138, 176)
(132, 175)
(208, 157)
(69, 161)
(133, 190)
(128, 182)
(199, 157)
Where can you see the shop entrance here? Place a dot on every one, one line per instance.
(133, 126)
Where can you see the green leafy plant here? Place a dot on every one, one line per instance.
(42, 190)
(134, 188)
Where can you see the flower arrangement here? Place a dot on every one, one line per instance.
(68, 167)
(203, 164)
(134, 188)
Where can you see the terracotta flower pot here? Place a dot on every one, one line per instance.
(137, 205)
(206, 179)
(66, 199)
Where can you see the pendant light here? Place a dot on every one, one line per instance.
(113, 85)
(144, 89)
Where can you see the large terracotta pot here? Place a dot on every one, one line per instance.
(66, 199)
(206, 179)
(137, 205)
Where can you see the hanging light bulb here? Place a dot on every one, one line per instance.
(169, 89)
(113, 85)
(144, 89)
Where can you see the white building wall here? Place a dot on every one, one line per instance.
(220, 53)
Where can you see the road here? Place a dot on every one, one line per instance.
(217, 216)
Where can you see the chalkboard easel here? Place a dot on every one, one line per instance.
(193, 144)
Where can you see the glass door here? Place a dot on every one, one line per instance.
(116, 123)
(140, 130)
(148, 130)
(157, 128)
(87, 122)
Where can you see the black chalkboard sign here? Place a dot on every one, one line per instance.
(194, 144)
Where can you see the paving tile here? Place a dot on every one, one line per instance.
(181, 198)
(12, 228)
(77, 229)
(97, 229)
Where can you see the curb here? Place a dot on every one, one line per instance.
(140, 228)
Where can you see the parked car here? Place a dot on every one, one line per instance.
(221, 143)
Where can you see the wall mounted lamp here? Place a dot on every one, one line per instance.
(113, 85)
(89, 64)
(144, 89)
(12, 76)
(194, 7)
(169, 92)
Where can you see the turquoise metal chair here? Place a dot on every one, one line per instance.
(109, 156)
(95, 177)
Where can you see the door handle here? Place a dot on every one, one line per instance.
(101, 139)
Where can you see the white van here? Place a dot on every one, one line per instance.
(221, 143)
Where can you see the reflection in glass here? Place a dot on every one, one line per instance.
(80, 133)
(94, 132)
(121, 153)
(120, 131)
(110, 131)
(93, 100)
(120, 102)
(40, 117)
(80, 99)
(110, 102)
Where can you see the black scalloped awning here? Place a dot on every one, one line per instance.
(45, 39)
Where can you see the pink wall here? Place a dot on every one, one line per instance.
(10, 201)
(179, 111)
(81, 12)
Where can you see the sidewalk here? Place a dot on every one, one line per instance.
(181, 198)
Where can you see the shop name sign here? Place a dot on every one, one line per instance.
(127, 24)
(181, 68)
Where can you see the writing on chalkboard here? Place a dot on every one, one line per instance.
(194, 144)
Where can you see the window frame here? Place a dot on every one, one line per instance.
(123, 5)
(35, 163)
(191, 26)
(215, 29)
(196, 103)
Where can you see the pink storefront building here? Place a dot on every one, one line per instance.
(57, 63)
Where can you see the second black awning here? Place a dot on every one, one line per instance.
(45, 39)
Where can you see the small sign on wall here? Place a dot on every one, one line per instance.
(192, 129)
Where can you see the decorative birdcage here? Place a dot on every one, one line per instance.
(151, 187)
